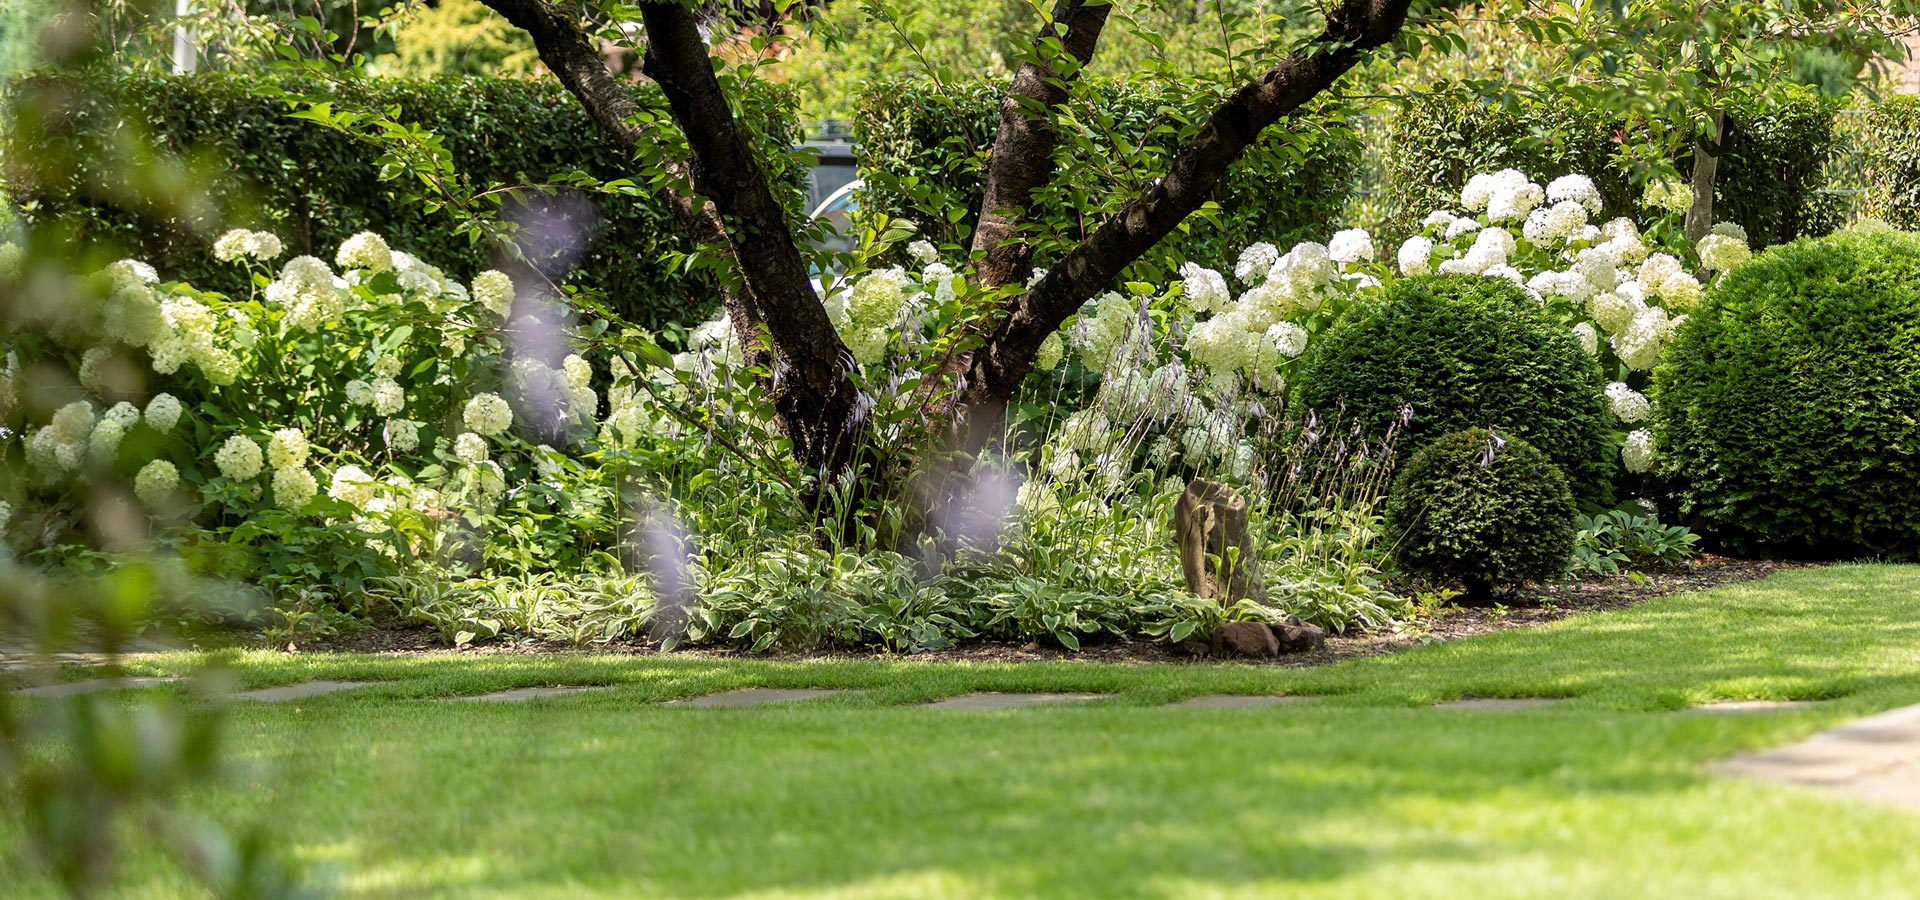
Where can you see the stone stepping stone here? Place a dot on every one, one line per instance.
(95, 686)
(1499, 703)
(518, 695)
(756, 697)
(999, 700)
(301, 691)
(1747, 706)
(1876, 758)
(1235, 701)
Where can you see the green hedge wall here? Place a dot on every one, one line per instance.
(1291, 186)
(1893, 161)
(315, 187)
(1777, 146)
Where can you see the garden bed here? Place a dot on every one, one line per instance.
(1531, 607)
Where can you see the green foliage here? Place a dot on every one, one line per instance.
(1893, 161)
(457, 37)
(924, 145)
(315, 186)
(1778, 143)
(1620, 537)
(1483, 509)
(1459, 352)
(1788, 410)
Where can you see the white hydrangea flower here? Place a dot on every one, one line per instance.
(307, 291)
(155, 482)
(365, 250)
(1626, 404)
(1288, 339)
(1553, 225)
(1051, 350)
(1461, 227)
(293, 487)
(388, 366)
(1720, 252)
(1207, 288)
(1255, 262)
(1596, 266)
(1416, 256)
(1637, 453)
(488, 414)
(494, 291)
(877, 298)
(1669, 194)
(402, 436)
(287, 449)
(1512, 197)
(470, 447)
(1623, 242)
(1087, 429)
(1576, 188)
(90, 363)
(938, 278)
(134, 270)
(1507, 272)
(232, 245)
(359, 393)
(163, 412)
(1639, 346)
(127, 414)
(1477, 192)
(923, 251)
(1679, 291)
(105, 440)
(1353, 245)
(264, 245)
(351, 485)
(239, 458)
(388, 398)
(1440, 218)
(1588, 338)
(1613, 312)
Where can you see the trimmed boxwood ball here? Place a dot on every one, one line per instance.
(1465, 352)
(1788, 408)
(1483, 510)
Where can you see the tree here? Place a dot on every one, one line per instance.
(772, 304)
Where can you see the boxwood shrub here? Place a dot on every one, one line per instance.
(1484, 510)
(1788, 409)
(314, 187)
(1778, 144)
(1464, 352)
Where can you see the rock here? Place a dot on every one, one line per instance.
(1210, 523)
(1297, 636)
(1250, 639)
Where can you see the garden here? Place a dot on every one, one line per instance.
(1395, 448)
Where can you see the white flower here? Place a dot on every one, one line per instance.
(263, 245)
(365, 250)
(402, 435)
(1087, 429)
(105, 440)
(155, 482)
(239, 458)
(1512, 196)
(241, 242)
(1732, 230)
(1288, 339)
(1720, 252)
(1050, 352)
(388, 366)
(1507, 272)
(1670, 194)
(1439, 218)
(1577, 188)
(923, 251)
(293, 486)
(1416, 256)
(1207, 288)
(1588, 338)
(1255, 262)
(488, 414)
(877, 298)
(490, 480)
(1461, 227)
(125, 413)
(1639, 346)
(1353, 245)
(359, 393)
(306, 290)
(351, 485)
(1063, 465)
(287, 449)
(494, 291)
(1613, 312)
(163, 412)
(388, 398)
(1627, 404)
(1679, 291)
(1623, 241)
(1478, 190)
(1637, 453)
(1552, 225)
(470, 447)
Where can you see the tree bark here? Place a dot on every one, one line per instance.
(1022, 159)
(1706, 167)
(1353, 28)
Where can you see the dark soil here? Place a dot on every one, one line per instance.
(1523, 610)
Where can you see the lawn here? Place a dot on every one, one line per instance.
(1361, 792)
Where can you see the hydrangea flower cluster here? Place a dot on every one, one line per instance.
(240, 242)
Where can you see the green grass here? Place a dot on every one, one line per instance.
(1361, 793)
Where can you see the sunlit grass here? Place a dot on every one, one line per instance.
(1361, 793)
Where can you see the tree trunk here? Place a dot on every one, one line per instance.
(1706, 166)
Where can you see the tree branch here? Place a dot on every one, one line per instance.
(1353, 28)
(1022, 159)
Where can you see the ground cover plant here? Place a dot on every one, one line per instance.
(1364, 792)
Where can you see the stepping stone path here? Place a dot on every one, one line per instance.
(1235, 701)
(95, 686)
(1876, 758)
(998, 700)
(301, 691)
(1498, 703)
(1747, 706)
(530, 693)
(756, 697)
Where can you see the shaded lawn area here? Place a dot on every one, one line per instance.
(1363, 792)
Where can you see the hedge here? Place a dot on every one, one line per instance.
(1893, 161)
(314, 186)
(1778, 144)
(1290, 186)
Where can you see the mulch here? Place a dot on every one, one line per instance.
(1523, 610)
